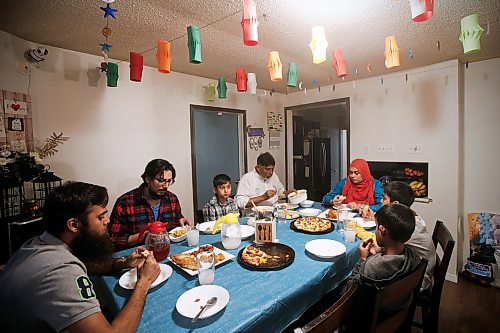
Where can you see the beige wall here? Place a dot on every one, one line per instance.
(114, 132)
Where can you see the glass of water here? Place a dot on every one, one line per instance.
(193, 237)
(206, 267)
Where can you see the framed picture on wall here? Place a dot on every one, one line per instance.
(15, 124)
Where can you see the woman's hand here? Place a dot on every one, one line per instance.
(337, 200)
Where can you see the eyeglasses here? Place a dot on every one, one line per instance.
(163, 181)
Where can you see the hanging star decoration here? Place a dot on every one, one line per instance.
(108, 11)
(105, 47)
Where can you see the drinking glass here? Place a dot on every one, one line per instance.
(341, 215)
(281, 216)
(206, 267)
(350, 231)
(193, 237)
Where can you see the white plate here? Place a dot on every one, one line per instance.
(176, 239)
(263, 209)
(227, 256)
(129, 279)
(188, 304)
(309, 211)
(207, 227)
(349, 215)
(367, 224)
(325, 248)
(288, 206)
(247, 231)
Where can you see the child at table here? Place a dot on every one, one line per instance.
(221, 203)
(395, 225)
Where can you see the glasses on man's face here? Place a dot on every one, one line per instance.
(163, 181)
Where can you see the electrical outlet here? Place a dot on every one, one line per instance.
(386, 148)
(415, 149)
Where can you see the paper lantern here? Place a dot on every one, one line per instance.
(194, 44)
(391, 52)
(211, 92)
(249, 23)
(470, 34)
(274, 66)
(241, 79)
(112, 74)
(136, 66)
(421, 10)
(163, 56)
(339, 63)
(222, 87)
(252, 83)
(318, 44)
(292, 75)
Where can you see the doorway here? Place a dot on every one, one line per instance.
(217, 146)
(317, 147)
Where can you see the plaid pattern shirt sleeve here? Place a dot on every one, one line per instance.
(213, 210)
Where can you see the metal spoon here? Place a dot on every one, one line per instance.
(211, 301)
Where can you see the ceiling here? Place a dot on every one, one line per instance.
(358, 27)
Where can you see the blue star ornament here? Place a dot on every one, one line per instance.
(108, 11)
(105, 47)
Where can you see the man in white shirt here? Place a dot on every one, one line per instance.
(260, 186)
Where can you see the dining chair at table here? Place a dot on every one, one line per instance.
(333, 317)
(387, 308)
(429, 301)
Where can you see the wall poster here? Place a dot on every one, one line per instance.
(16, 121)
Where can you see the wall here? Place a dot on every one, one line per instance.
(423, 110)
(114, 132)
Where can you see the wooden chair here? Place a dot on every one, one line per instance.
(429, 302)
(387, 308)
(333, 317)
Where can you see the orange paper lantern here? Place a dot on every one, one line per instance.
(163, 56)
(391, 52)
(241, 79)
(274, 66)
(339, 63)
(249, 23)
(136, 66)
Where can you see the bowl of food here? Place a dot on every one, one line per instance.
(177, 234)
(296, 198)
(306, 203)
(310, 212)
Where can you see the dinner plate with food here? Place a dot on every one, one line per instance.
(268, 256)
(187, 260)
(207, 227)
(287, 206)
(331, 214)
(312, 225)
(129, 278)
(177, 234)
(288, 214)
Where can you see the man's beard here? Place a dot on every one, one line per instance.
(155, 195)
(92, 247)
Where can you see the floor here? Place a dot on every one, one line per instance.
(468, 307)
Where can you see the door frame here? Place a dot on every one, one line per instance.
(242, 136)
(289, 134)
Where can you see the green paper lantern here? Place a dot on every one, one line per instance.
(194, 44)
(470, 34)
(293, 74)
(112, 74)
(222, 87)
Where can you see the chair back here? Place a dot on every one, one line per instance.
(333, 317)
(390, 307)
(441, 236)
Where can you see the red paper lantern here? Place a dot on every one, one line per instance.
(339, 63)
(250, 23)
(136, 65)
(241, 79)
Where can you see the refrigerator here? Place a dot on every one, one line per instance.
(312, 167)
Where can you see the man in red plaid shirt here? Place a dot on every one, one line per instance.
(150, 202)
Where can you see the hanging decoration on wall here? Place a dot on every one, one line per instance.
(107, 32)
(421, 10)
(438, 45)
(222, 87)
(136, 66)
(274, 66)
(241, 79)
(292, 75)
(470, 34)
(211, 92)
(108, 11)
(249, 23)
(410, 53)
(104, 63)
(300, 85)
(252, 83)
(318, 44)
(255, 137)
(112, 74)
(391, 52)
(194, 44)
(339, 63)
(369, 68)
(163, 56)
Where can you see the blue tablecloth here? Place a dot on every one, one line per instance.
(260, 301)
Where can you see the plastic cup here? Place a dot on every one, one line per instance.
(193, 237)
(281, 216)
(206, 267)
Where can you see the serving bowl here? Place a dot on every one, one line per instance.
(306, 203)
(296, 198)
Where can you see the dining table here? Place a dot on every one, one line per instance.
(259, 300)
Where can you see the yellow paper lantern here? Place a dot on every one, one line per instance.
(274, 66)
(318, 44)
(470, 34)
(391, 52)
